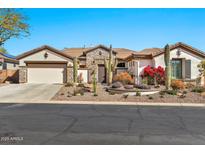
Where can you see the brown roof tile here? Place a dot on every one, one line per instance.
(76, 52)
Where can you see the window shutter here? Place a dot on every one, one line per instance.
(188, 69)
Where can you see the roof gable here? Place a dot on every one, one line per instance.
(45, 47)
(186, 47)
(99, 46)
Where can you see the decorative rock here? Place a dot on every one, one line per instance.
(128, 86)
(142, 86)
(117, 85)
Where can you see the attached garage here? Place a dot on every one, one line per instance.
(46, 73)
(44, 65)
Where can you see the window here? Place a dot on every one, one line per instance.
(121, 65)
(176, 65)
(4, 66)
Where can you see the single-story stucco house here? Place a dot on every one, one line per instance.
(8, 62)
(8, 68)
(48, 65)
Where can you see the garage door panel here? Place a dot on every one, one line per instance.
(46, 75)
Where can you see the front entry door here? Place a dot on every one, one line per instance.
(101, 74)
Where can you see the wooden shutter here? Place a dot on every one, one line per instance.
(188, 69)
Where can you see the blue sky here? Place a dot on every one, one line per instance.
(129, 28)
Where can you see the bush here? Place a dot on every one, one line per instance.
(78, 91)
(171, 92)
(69, 84)
(150, 97)
(198, 89)
(112, 93)
(177, 84)
(151, 73)
(138, 93)
(123, 77)
(162, 93)
(189, 85)
(80, 85)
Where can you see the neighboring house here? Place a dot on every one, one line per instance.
(49, 65)
(8, 68)
(8, 62)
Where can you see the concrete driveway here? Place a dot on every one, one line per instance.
(28, 92)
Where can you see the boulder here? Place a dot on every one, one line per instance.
(128, 86)
(142, 86)
(117, 85)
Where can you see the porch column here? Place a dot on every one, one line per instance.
(69, 74)
(183, 68)
(22, 74)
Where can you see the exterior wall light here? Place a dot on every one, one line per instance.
(46, 55)
(178, 52)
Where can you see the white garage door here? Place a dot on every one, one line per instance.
(46, 75)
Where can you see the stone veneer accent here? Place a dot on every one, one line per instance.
(22, 75)
(97, 55)
(69, 74)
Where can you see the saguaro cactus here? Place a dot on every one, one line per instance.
(94, 84)
(110, 65)
(167, 66)
(75, 70)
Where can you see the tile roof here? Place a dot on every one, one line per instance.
(76, 52)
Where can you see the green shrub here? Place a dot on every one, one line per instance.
(95, 94)
(78, 91)
(150, 97)
(138, 93)
(171, 92)
(162, 93)
(80, 85)
(69, 84)
(112, 93)
(198, 89)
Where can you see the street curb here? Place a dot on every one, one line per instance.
(107, 103)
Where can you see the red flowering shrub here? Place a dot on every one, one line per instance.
(123, 77)
(151, 73)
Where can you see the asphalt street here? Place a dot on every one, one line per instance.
(100, 124)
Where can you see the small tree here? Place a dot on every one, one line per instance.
(110, 66)
(3, 50)
(167, 67)
(12, 25)
(201, 67)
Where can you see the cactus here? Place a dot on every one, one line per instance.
(75, 70)
(167, 66)
(94, 84)
(110, 66)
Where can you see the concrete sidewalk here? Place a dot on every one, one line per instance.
(107, 103)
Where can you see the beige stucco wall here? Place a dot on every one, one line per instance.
(84, 74)
(39, 56)
(11, 66)
(195, 60)
(138, 67)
